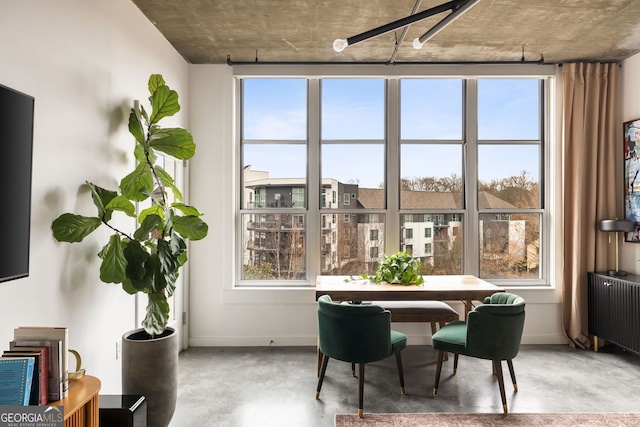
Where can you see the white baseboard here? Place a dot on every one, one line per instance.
(252, 341)
(312, 341)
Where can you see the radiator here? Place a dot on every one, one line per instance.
(614, 309)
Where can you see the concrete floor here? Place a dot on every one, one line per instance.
(275, 386)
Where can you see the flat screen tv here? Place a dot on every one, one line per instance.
(16, 147)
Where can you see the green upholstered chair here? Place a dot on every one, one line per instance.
(358, 333)
(492, 331)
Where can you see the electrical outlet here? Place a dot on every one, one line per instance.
(118, 350)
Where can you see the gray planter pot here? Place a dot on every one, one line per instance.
(150, 369)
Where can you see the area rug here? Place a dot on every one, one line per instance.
(616, 419)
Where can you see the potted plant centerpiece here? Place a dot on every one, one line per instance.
(148, 259)
(400, 268)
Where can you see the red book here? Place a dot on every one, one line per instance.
(40, 333)
(42, 369)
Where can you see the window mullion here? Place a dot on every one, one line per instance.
(313, 180)
(471, 261)
(545, 135)
(392, 229)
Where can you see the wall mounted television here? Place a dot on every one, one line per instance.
(16, 151)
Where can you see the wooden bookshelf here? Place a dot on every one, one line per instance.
(81, 407)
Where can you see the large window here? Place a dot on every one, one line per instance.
(274, 170)
(509, 177)
(449, 169)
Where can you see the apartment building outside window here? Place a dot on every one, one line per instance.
(492, 128)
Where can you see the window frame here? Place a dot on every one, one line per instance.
(392, 211)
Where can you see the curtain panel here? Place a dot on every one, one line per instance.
(591, 151)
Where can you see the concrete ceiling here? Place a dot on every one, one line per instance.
(209, 31)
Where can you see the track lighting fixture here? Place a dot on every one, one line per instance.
(457, 7)
(455, 14)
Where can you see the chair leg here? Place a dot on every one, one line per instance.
(323, 369)
(319, 360)
(438, 369)
(353, 369)
(433, 331)
(455, 363)
(513, 375)
(361, 391)
(498, 368)
(400, 371)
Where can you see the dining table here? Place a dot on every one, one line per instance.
(465, 288)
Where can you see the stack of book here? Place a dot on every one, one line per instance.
(33, 371)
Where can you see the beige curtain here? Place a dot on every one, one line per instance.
(590, 154)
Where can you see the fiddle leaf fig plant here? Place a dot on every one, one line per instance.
(149, 259)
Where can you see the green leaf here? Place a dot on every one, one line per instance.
(114, 264)
(146, 283)
(186, 209)
(158, 282)
(73, 228)
(144, 115)
(129, 287)
(122, 204)
(171, 279)
(101, 198)
(167, 181)
(136, 257)
(168, 262)
(141, 157)
(155, 81)
(151, 210)
(176, 142)
(149, 223)
(164, 103)
(157, 317)
(190, 227)
(182, 259)
(177, 243)
(135, 127)
(133, 185)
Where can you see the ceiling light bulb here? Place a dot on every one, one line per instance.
(417, 44)
(340, 44)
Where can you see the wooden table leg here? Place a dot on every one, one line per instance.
(468, 306)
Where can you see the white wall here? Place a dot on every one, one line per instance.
(84, 62)
(223, 316)
(220, 315)
(630, 93)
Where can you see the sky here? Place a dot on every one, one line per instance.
(353, 109)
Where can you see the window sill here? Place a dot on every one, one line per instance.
(274, 295)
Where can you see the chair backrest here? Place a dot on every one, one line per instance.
(494, 329)
(358, 333)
